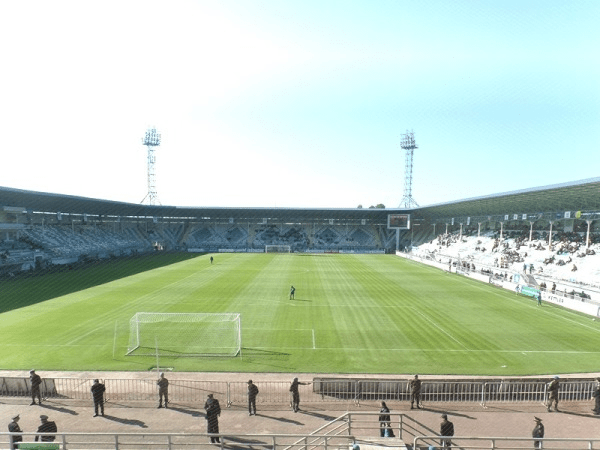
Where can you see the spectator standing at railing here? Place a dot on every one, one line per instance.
(295, 394)
(213, 411)
(596, 395)
(36, 381)
(98, 390)
(252, 393)
(446, 432)
(14, 427)
(385, 422)
(47, 426)
(538, 432)
(415, 392)
(163, 390)
(553, 388)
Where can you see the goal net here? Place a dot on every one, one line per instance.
(185, 334)
(278, 249)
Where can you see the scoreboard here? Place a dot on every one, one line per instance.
(399, 221)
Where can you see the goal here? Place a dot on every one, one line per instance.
(185, 334)
(278, 248)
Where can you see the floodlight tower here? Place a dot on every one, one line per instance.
(151, 140)
(408, 144)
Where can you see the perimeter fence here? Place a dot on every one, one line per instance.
(321, 390)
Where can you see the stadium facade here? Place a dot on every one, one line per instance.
(40, 228)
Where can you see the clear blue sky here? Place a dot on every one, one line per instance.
(298, 103)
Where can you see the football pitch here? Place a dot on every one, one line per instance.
(351, 314)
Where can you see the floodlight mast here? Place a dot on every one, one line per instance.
(408, 143)
(151, 140)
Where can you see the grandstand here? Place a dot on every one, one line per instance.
(41, 229)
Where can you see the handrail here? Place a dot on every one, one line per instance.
(492, 443)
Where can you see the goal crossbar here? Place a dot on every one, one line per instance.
(184, 334)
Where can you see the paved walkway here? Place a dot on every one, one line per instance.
(501, 420)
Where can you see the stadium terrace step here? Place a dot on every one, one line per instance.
(380, 443)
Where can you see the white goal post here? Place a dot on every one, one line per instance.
(185, 334)
(278, 248)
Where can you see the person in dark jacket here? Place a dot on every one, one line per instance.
(538, 432)
(385, 422)
(98, 390)
(213, 411)
(252, 393)
(47, 426)
(163, 390)
(14, 427)
(295, 394)
(446, 432)
(36, 381)
(596, 395)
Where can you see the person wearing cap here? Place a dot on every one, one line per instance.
(296, 394)
(446, 432)
(596, 395)
(415, 392)
(47, 426)
(98, 390)
(553, 388)
(538, 432)
(36, 381)
(213, 411)
(163, 390)
(252, 393)
(14, 427)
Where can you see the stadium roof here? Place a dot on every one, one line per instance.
(582, 195)
(23, 200)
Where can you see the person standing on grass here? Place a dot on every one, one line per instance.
(213, 411)
(415, 392)
(538, 432)
(446, 432)
(553, 388)
(36, 381)
(163, 390)
(539, 298)
(98, 390)
(14, 427)
(295, 394)
(252, 393)
(292, 292)
(211, 260)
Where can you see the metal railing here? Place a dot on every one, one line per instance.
(507, 443)
(322, 390)
(181, 441)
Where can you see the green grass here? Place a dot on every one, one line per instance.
(352, 314)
